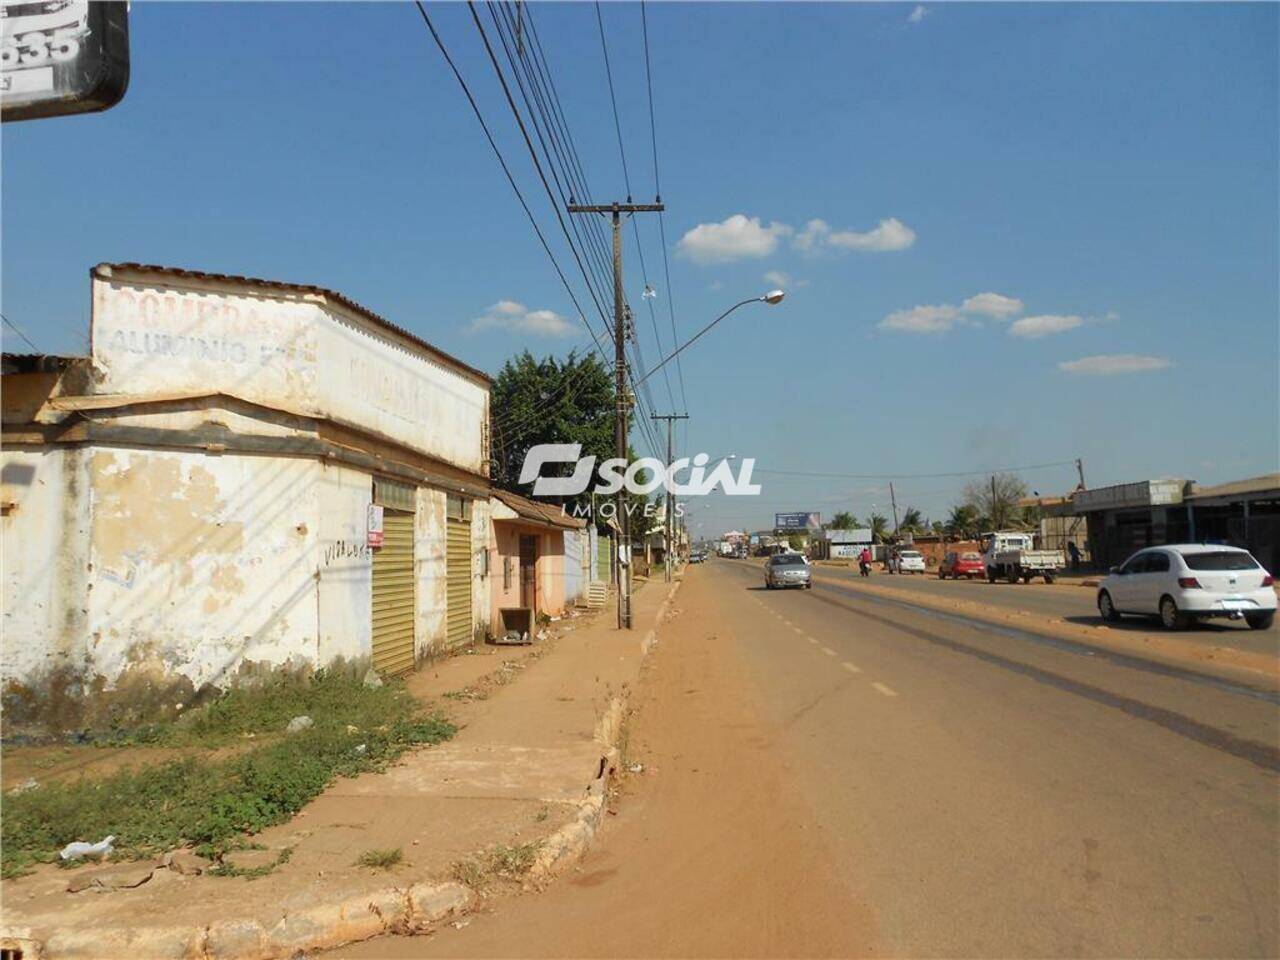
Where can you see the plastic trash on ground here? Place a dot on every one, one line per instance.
(78, 849)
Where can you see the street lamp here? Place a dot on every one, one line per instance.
(773, 297)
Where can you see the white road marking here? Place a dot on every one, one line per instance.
(828, 651)
(850, 667)
(881, 688)
(798, 630)
(813, 641)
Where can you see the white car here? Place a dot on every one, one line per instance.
(910, 561)
(1186, 582)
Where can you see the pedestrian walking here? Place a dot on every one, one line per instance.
(1074, 552)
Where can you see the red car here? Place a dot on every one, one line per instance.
(957, 565)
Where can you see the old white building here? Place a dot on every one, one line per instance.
(190, 504)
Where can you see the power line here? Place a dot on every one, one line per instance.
(657, 186)
(502, 161)
(18, 330)
(561, 171)
(917, 476)
(626, 179)
(515, 112)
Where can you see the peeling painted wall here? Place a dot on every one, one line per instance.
(45, 577)
(202, 566)
(345, 565)
(429, 558)
(288, 351)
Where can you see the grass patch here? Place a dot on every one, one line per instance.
(380, 859)
(215, 804)
(501, 862)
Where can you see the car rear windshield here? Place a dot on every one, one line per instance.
(788, 558)
(970, 556)
(910, 553)
(1220, 560)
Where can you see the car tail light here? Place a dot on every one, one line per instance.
(1267, 579)
(1189, 583)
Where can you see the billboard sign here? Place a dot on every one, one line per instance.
(797, 521)
(62, 56)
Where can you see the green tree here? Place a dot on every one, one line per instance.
(554, 400)
(963, 522)
(995, 499)
(912, 521)
(842, 521)
(879, 527)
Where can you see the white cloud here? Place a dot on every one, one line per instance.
(735, 238)
(1045, 325)
(918, 14)
(1111, 364)
(935, 318)
(516, 318)
(992, 305)
(888, 235)
(777, 278)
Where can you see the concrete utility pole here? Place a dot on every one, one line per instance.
(894, 501)
(669, 514)
(1080, 471)
(622, 410)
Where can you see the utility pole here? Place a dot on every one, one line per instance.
(894, 502)
(1080, 471)
(623, 405)
(669, 514)
(994, 522)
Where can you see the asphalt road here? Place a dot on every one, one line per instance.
(828, 775)
(1062, 601)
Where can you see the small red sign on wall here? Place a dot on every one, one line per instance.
(374, 525)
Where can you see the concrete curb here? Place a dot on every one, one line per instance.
(567, 845)
(412, 909)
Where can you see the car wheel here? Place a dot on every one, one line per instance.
(941, 575)
(991, 575)
(1260, 621)
(1012, 575)
(1170, 616)
(1049, 578)
(1107, 609)
(808, 586)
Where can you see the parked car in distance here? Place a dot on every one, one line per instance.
(1183, 583)
(910, 561)
(697, 557)
(787, 570)
(957, 565)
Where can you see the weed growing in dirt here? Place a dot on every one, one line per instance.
(380, 859)
(501, 862)
(215, 804)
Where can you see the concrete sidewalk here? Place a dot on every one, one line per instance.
(522, 784)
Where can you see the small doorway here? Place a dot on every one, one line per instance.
(529, 573)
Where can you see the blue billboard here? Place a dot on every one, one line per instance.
(797, 521)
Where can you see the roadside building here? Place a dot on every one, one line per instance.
(839, 544)
(541, 560)
(1129, 516)
(243, 476)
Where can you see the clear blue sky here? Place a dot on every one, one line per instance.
(1112, 168)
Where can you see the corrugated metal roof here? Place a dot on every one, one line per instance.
(547, 513)
(103, 269)
(1264, 484)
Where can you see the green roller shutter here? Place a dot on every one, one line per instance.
(393, 595)
(458, 581)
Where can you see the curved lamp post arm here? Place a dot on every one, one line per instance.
(774, 296)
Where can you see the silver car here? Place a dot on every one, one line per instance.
(787, 570)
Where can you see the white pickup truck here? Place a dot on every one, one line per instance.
(1010, 556)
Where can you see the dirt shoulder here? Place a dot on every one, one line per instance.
(509, 798)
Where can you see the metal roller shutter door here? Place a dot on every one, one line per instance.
(393, 596)
(458, 581)
(603, 560)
